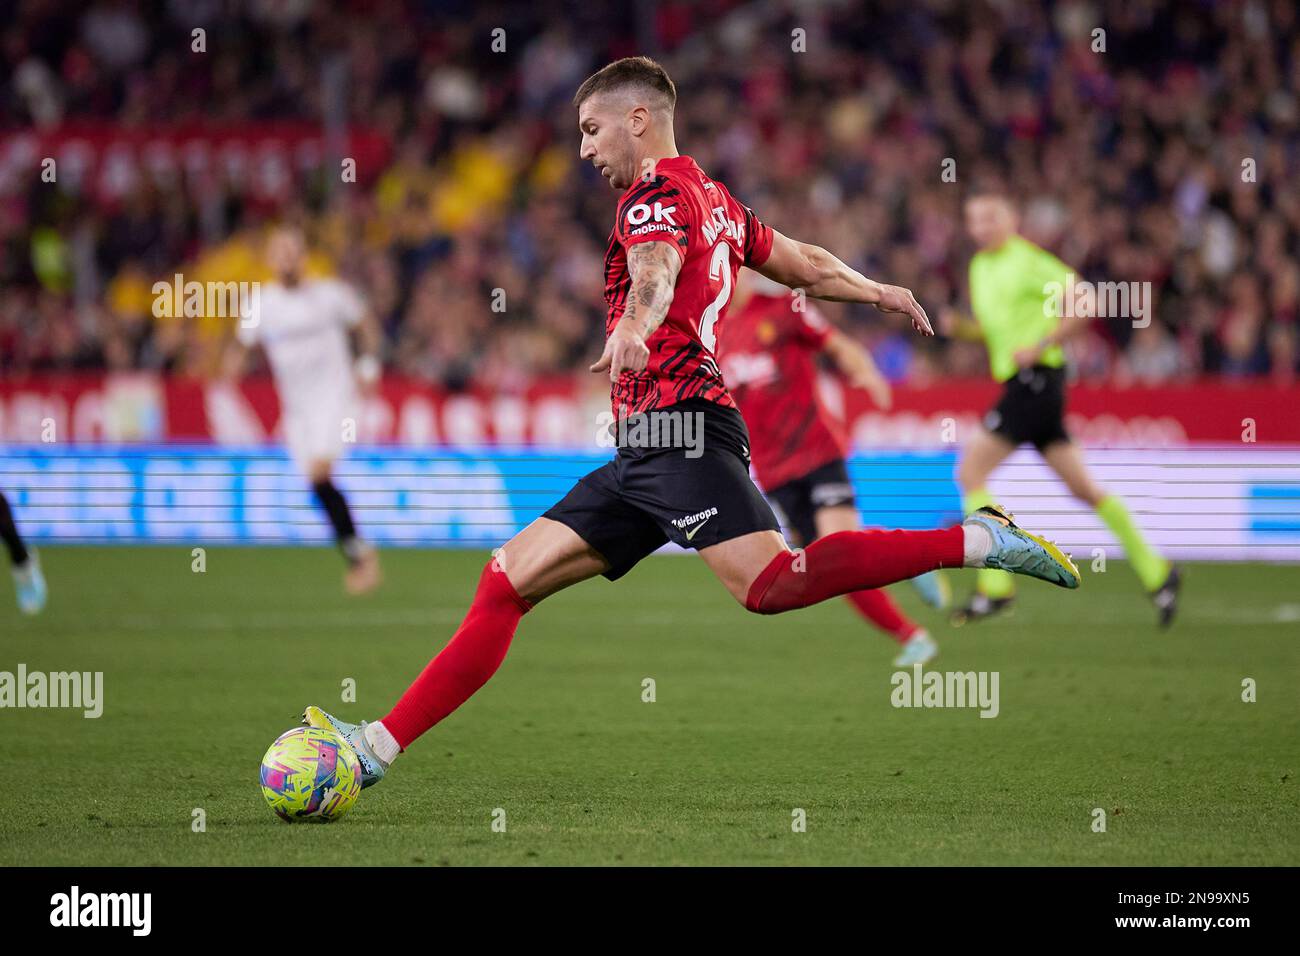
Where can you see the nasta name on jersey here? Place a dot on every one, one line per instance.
(720, 224)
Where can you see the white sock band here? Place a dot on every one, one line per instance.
(978, 544)
(383, 743)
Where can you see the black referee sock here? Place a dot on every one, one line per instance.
(9, 534)
(336, 506)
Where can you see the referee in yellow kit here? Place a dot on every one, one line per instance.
(1009, 282)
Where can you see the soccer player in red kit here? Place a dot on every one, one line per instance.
(768, 351)
(679, 239)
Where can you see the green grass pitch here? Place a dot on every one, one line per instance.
(753, 718)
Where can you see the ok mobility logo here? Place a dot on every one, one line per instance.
(695, 522)
(663, 218)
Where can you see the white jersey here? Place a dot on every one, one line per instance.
(304, 331)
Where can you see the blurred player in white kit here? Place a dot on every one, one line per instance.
(303, 324)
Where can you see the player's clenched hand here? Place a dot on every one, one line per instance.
(624, 350)
(894, 298)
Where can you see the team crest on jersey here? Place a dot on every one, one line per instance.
(766, 332)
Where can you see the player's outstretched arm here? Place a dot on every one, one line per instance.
(801, 265)
(653, 267)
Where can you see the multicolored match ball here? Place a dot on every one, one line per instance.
(310, 774)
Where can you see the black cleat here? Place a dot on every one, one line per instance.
(1165, 597)
(980, 606)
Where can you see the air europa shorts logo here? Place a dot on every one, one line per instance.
(681, 523)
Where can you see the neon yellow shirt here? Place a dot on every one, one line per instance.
(1012, 303)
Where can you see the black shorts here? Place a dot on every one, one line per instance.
(1032, 408)
(824, 487)
(648, 496)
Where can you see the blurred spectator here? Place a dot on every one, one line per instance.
(1152, 357)
(1169, 158)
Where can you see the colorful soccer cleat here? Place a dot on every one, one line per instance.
(933, 588)
(29, 582)
(920, 648)
(1020, 552)
(354, 735)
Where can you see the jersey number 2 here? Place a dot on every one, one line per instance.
(719, 268)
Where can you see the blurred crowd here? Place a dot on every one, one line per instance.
(1153, 142)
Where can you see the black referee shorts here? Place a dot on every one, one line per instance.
(646, 497)
(1032, 408)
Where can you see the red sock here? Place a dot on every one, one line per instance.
(879, 608)
(852, 561)
(472, 656)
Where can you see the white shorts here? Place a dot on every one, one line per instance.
(318, 433)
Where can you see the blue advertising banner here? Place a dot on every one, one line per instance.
(427, 497)
(1209, 503)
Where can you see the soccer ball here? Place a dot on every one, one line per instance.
(310, 774)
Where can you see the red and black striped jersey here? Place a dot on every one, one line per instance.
(768, 354)
(715, 235)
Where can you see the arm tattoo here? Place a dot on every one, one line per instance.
(653, 267)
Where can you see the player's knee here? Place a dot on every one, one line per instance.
(774, 601)
(742, 590)
(778, 587)
(495, 587)
(751, 603)
(538, 564)
(516, 565)
(1089, 494)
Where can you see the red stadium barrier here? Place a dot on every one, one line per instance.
(566, 411)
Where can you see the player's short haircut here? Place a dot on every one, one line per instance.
(991, 189)
(632, 72)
